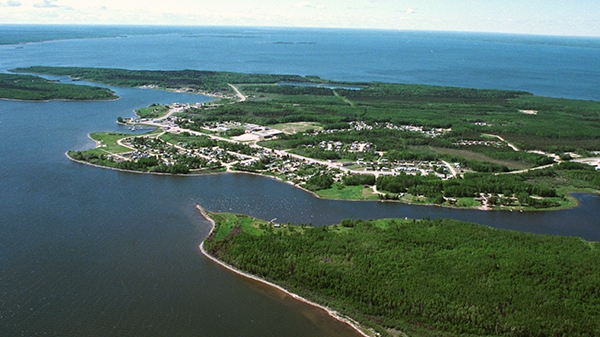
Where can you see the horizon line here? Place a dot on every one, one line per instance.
(295, 27)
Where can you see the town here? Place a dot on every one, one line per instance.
(209, 150)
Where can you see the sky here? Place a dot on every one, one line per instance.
(543, 17)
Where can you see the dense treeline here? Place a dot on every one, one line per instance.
(557, 125)
(508, 184)
(441, 277)
(319, 182)
(33, 88)
(359, 179)
(202, 80)
(403, 91)
(147, 164)
(292, 90)
(428, 186)
(472, 185)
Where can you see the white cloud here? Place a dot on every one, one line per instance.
(307, 4)
(302, 4)
(13, 3)
(46, 4)
(411, 11)
(51, 4)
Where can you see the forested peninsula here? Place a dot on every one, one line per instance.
(420, 144)
(424, 277)
(34, 88)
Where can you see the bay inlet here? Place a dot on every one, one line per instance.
(90, 251)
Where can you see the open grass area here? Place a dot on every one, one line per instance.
(173, 138)
(513, 165)
(153, 111)
(296, 127)
(348, 193)
(467, 202)
(227, 221)
(107, 142)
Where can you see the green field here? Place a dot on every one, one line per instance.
(153, 111)
(348, 193)
(513, 165)
(107, 143)
(425, 278)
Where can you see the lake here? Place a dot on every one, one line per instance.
(89, 251)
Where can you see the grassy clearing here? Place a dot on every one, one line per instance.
(172, 138)
(348, 193)
(513, 165)
(153, 111)
(296, 127)
(107, 141)
(227, 221)
(467, 202)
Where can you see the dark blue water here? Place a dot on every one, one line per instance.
(87, 251)
(549, 66)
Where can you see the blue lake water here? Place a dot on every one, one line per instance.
(88, 251)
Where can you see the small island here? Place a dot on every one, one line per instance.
(399, 277)
(34, 88)
(453, 147)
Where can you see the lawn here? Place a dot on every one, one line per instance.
(348, 193)
(153, 111)
(513, 165)
(108, 142)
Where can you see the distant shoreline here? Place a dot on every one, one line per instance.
(58, 99)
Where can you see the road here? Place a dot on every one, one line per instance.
(237, 92)
(516, 149)
(451, 168)
(527, 170)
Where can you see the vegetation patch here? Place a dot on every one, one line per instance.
(440, 277)
(153, 111)
(33, 88)
(108, 142)
(514, 165)
(342, 192)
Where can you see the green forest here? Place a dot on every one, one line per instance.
(33, 88)
(195, 79)
(425, 277)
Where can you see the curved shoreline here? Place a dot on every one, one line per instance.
(58, 100)
(139, 172)
(318, 196)
(355, 325)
